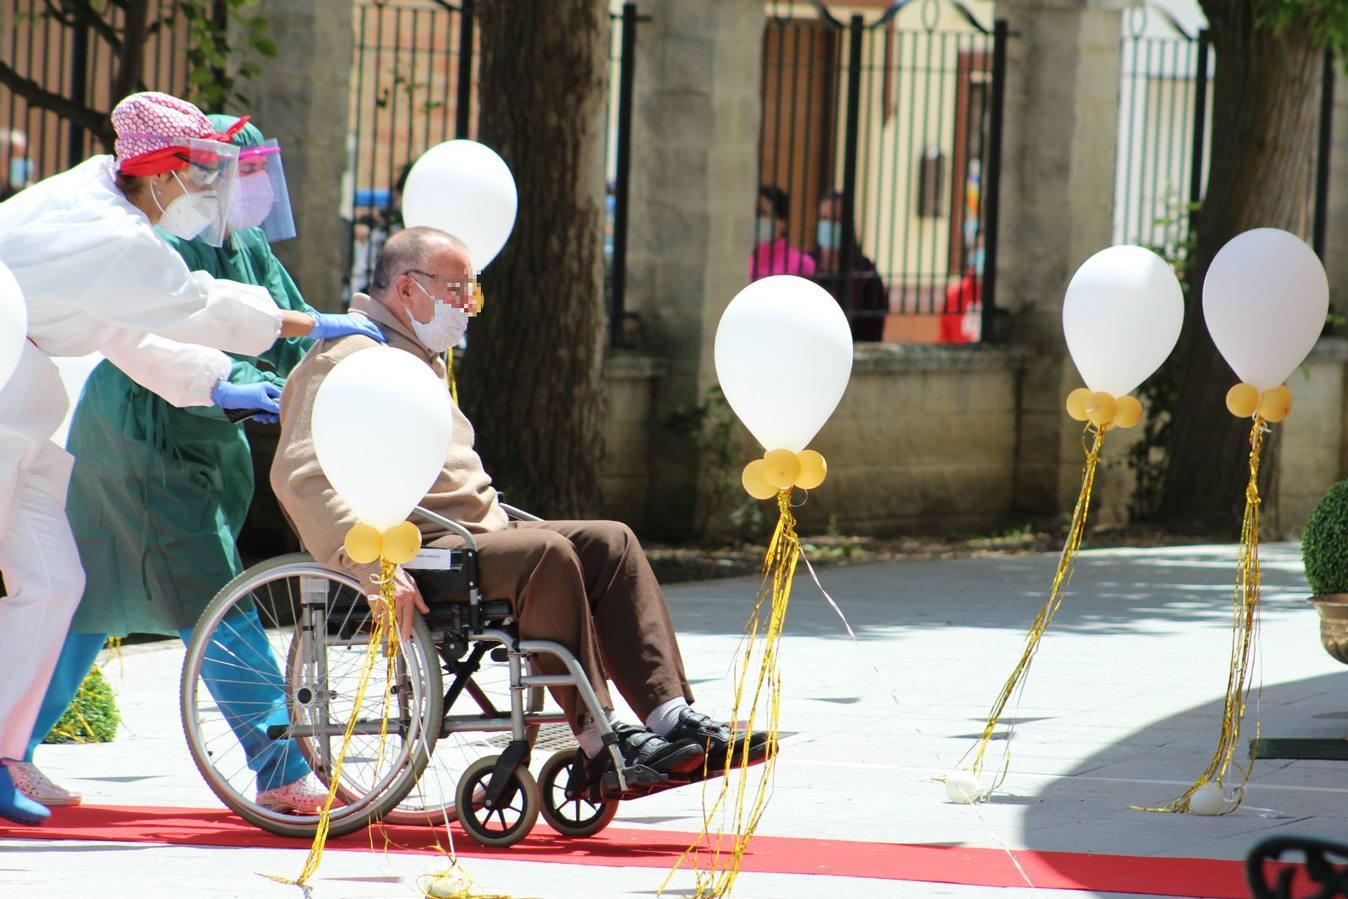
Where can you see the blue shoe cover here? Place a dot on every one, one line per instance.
(16, 807)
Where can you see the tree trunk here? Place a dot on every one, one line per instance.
(533, 374)
(1266, 94)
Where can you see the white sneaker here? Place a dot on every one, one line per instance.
(38, 787)
(304, 796)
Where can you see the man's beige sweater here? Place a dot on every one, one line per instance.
(462, 492)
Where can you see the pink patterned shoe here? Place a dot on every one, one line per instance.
(304, 796)
(32, 783)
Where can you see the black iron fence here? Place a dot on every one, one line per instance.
(879, 164)
(415, 85)
(73, 62)
(1165, 129)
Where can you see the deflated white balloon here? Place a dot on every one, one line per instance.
(783, 357)
(13, 323)
(962, 787)
(1207, 800)
(1121, 317)
(1265, 300)
(382, 425)
(464, 188)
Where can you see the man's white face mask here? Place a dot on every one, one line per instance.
(446, 327)
(189, 213)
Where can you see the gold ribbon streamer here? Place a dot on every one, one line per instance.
(717, 867)
(385, 633)
(1244, 636)
(1061, 578)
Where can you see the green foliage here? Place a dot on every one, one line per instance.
(211, 83)
(1324, 543)
(717, 436)
(92, 716)
(1325, 22)
(1147, 457)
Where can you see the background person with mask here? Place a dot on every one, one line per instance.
(846, 273)
(96, 277)
(773, 254)
(160, 494)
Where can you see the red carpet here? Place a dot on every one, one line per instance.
(625, 847)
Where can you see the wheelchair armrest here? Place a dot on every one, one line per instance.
(519, 514)
(447, 524)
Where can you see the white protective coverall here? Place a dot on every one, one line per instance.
(95, 278)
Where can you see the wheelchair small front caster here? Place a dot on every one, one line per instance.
(506, 822)
(567, 804)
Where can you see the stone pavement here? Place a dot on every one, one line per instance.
(1122, 707)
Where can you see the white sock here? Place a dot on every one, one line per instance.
(590, 739)
(666, 715)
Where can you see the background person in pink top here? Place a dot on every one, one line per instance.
(773, 254)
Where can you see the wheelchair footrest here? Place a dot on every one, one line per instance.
(641, 781)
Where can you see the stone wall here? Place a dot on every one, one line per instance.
(302, 98)
(1314, 452)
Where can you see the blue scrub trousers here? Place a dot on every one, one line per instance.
(240, 671)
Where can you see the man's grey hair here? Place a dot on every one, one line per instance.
(406, 250)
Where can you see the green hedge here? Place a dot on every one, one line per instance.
(92, 716)
(1324, 543)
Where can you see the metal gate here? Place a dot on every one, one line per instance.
(416, 85)
(71, 63)
(891, 128)
(1165, 131)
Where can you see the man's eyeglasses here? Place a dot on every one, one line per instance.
(456, 292)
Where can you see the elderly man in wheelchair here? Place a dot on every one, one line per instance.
(570, 601)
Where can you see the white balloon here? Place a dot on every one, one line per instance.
(1265, 300)
(464, 188)
(1207, 800)
(382, 425)
(962, 788)
(13, 323)
(1121, 317)
(783, 357)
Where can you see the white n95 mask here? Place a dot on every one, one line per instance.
(189, 213)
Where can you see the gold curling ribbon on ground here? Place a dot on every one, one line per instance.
(717, 865)
(1061, 578)
(1244, 637)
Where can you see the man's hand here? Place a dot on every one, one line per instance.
(407, 602)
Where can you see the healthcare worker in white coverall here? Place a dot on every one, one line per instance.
(95, 277)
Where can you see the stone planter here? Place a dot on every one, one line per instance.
(1333, 609)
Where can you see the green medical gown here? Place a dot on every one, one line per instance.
(159, 494)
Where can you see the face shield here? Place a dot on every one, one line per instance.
(260, 197)
(208, 181)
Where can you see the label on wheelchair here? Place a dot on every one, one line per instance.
(434, 559)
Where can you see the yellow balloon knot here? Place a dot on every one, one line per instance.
(1101, 409)
(1129, 412)
(781, 470)
(1275, 404)
(1242, 400)
(399, 544)
(1077, 401)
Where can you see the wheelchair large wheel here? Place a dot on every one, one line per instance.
(567, 807)
(509, 821)
(268, 688)
(431, 801)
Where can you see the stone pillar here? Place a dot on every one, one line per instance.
(693, 181)
(302, 98)
(1056, 199)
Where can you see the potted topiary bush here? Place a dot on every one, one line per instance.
(1324, 552)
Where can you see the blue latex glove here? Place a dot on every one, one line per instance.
(330, 324)
(261, 399)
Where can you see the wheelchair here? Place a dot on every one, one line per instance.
(435, 737)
